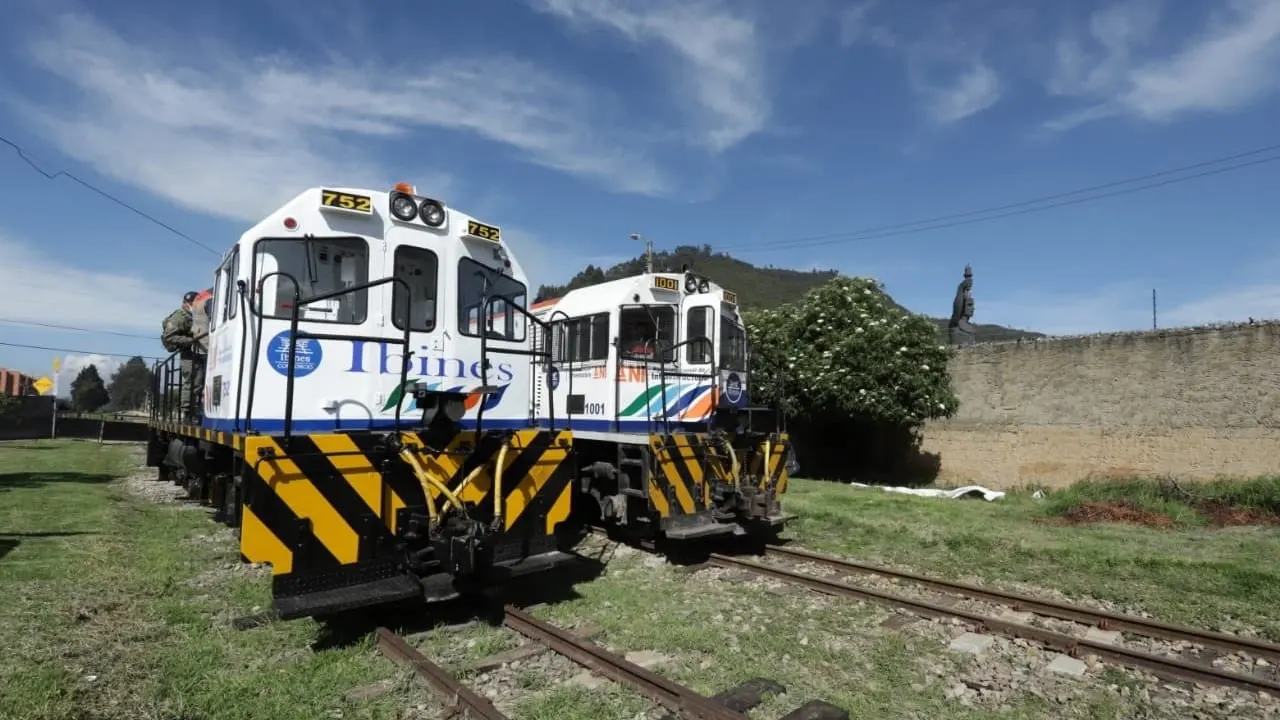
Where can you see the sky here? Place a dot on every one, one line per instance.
(750, 125)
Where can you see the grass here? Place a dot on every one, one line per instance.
(1222, 578)
(1184, 503)
(116, 607)
(120, 607)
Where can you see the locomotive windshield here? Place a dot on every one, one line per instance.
(320, 265)
(733, 345)
(644, 329)
(474, 282)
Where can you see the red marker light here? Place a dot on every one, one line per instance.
(290, 223)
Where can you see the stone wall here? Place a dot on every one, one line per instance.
(1192, 403)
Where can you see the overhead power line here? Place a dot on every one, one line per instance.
(22, 154)
(76, 352)
(73, 328)
(1024, 207)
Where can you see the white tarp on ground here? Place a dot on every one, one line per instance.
(952, 494)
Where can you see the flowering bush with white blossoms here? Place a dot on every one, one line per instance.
(846, 350)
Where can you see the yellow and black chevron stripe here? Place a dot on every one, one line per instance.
(218, 437)
(778, 446)
(685, 467)
(323, 500)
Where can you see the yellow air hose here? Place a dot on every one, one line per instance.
(734, 468)
(498, 520)
(764, 472)
(429, 480)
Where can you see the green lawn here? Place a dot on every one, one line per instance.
(118, 607)
(1190, 573)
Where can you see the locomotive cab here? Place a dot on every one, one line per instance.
(365, 422)
(652, 374)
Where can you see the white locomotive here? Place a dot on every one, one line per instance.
(369, 440)
(651, 374)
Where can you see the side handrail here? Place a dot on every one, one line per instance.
(295, 335)
(550, 331)
(482, 327)
(662, 351)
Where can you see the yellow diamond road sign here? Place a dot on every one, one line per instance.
(43, 385)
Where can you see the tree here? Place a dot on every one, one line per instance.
(848, 350)
(9, 406)
(88, 392)
(131, 385)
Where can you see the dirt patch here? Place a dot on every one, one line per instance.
(1222, 515)
(1121, 511)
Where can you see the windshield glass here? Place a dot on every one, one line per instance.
(733, 345)
(645, 329)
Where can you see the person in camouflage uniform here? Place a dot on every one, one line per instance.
(179, 336)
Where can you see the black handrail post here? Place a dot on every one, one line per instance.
(405, 356)
(482, 318)
(244, 337)
(257, 341)
(288, 380)
(482, 327)
(549, 328)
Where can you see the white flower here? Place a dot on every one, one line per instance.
(862, 391)
(857, 329)
(924, 367)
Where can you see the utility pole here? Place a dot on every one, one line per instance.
(1153, 309)
(648, 252)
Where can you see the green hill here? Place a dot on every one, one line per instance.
(757, 287)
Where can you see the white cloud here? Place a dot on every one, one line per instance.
(237, 135)
(946, 67)
(35, 287)
(857, 28)
(718, 47)
(72, 365)
(1127, 306)
(974, 90)
(1231, 63)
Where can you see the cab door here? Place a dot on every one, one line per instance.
(421, 270)
(697, 357)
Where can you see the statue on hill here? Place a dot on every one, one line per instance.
(960, 328)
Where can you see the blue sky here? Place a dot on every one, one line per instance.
(573, 123)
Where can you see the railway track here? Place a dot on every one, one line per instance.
(1048, 608)
(1168, 667)
(681, 701)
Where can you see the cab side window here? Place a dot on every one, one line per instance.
(648, 332)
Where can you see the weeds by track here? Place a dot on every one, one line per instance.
(1159, 665)
(1048, 608)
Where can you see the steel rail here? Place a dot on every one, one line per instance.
(1049, 608)
(1167, 666)
(668, 693)
(439, 679)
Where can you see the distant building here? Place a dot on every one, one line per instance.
(13, 382)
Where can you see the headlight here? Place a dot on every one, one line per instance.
(704, 285)
(690, 283)
(431, 212)
(403, 207)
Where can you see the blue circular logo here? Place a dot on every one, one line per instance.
(553, 377)
(306, 356)
(733, 387)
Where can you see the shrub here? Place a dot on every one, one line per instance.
(847, 351)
